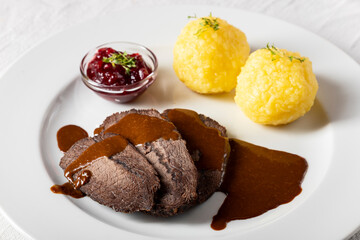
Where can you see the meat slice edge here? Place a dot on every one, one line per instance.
(178, 175)
(208, 181)
(174, 165)
(125, 182)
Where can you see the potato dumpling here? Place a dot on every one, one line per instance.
(209, 54)
(276, 86)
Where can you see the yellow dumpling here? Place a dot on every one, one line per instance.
(276, 86)
(209, 54)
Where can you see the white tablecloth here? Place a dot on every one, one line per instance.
(26, 23)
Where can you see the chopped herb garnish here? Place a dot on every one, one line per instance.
(206, 22)
(122, 59)
(276, 52)
(192, 16)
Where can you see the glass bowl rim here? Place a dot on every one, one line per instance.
(111, 89)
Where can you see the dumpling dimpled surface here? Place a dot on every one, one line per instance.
(209, 54)
(276, 86)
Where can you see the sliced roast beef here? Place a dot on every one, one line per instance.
(209, 180)
(178, 175)
(75, 151)
(124, 181)
(209, 175)
(163, 147)
(175, 165)
(209, 122)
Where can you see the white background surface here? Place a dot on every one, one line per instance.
(26, 23)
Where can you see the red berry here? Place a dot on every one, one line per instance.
(105, 73)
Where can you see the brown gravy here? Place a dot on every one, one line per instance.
(67, 189)
(139, 129)
(98, 130)
(214, 148)
(107, 147)
(104, 148)
(256, 180)
(68, 135)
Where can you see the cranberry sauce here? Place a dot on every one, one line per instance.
(114, 68)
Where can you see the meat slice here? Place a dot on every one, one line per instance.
(209, 122)
(209, 180)
(172, 161)
(125, 181)
(116, 117)
(167, 153)
(75, 151)
(188, 123)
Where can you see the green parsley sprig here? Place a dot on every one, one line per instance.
(206, 22)
(122, 59)
(276, 52)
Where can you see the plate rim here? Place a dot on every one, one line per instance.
(51, 38)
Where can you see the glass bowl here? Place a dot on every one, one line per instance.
(123, 93)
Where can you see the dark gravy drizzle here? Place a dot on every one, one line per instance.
(139, 129)
(213, 147)
(67, 189)
(104, 148)
(98, 130)
(256, 179)
(135, 127)
(68, 135)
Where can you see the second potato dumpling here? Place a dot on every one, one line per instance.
(276, 86)
(209, 54)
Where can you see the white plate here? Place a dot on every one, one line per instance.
(43, 92)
